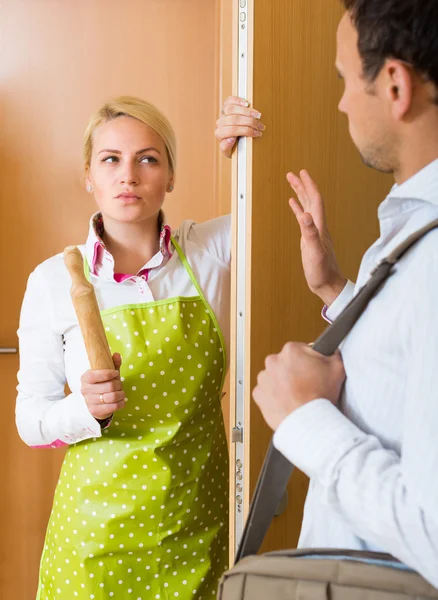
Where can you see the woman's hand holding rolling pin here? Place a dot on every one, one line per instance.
(103, 391)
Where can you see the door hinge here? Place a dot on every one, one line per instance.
(237, 435)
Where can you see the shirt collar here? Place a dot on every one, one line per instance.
(419, 189)
(425, 183)
(408, 207)
(101, 261)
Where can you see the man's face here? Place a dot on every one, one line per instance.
(364, 103)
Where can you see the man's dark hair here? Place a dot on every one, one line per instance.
(406, 30)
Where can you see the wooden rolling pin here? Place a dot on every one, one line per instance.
(87, 312)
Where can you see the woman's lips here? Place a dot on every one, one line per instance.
(128, 198)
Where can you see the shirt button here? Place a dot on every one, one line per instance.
(143, 277)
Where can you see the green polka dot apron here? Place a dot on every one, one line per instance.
(142, 512)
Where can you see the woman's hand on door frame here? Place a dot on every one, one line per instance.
(237, 119)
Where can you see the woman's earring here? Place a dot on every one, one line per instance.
(170, 188)
(89, 188)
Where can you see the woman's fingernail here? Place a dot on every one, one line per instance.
(244, 103)
(231, 140)
(257, 133)
(256, 114)
(261, 127)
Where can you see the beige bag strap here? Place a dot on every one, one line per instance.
(276, 469)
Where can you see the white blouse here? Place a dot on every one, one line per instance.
(52, 351)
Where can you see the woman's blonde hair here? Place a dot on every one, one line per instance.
(129, 106)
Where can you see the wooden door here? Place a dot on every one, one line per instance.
(287, 62)
(60, 59)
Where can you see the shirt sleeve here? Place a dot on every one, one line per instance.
(214, 236)
(332, 312)
(388, 499)
(45, 416)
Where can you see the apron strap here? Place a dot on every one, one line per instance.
(188, 269)
(183, 260)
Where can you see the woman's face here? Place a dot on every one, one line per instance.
(129, 171)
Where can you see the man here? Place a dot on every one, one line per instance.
(370, 446)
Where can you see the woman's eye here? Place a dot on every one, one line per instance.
(143, 159)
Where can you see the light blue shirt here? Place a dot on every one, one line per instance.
(373, 460)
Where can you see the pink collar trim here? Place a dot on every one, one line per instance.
(99, 257)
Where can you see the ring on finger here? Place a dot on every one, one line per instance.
(223, 111)
(101, 398)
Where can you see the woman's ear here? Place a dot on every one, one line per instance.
(88, 183)
(171, 184)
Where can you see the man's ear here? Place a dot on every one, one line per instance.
(399, 82)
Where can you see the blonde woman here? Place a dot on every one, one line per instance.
(140, 509)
